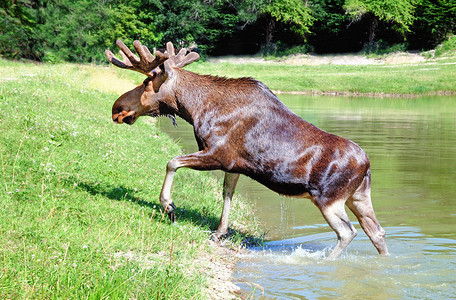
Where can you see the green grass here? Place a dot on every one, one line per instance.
(79, 209)
(410, 79)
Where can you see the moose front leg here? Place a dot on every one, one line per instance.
(201, 160)
(229, 184)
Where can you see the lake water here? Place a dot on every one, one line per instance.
(412, 147)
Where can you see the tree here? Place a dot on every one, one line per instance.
(399, 12)
(129, 23)
(80, 31)
(435, 21)
(69, 30)
(18, 29)
(330, 31)
(294, 13)
(201, 22)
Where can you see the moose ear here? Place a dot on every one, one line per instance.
(168, 69)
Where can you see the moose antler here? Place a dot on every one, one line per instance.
(145, 64)
(180, 59)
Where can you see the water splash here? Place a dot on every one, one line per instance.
(296, 268)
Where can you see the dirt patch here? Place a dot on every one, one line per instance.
(403, 58)
(240, 60)
(218, 266)
(337, 59)
(348, 59)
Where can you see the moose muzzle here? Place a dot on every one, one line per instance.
(124, 117)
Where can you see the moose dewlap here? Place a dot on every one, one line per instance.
(241, 127)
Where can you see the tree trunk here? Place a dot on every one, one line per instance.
(269, 30)
(372, 29)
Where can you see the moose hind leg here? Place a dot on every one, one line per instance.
(360, 204)
(338, 220)
(229, 185)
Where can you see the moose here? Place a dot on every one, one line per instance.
(241, 127)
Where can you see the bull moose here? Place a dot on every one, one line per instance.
(241, 127)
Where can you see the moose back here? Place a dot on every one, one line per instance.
(241, 127)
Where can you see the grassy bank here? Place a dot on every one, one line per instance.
(430, 77)
(79, 209)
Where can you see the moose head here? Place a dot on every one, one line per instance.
(140, 101)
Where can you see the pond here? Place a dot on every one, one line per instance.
(412, 147)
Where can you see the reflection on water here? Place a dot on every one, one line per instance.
(412, 147)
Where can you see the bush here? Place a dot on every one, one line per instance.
(447, 47)
(18, 34)
(382, 48)
(279, 49)
(50, 57)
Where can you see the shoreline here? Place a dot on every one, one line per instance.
(218, 266)
(359, 94)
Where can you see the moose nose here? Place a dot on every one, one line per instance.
(115, 119)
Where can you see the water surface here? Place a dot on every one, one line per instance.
(412, 147)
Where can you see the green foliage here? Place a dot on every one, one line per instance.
(18, 29)
(128, 24)
(382, 48)
(80, 31)
(295, 13)
(447, 47)
(190, 22)
(279, 49)
(331, 31)
(398, 11)
(435, 21)
(201, 23)
(330, 15)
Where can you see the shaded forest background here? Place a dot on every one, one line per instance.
(80, 30)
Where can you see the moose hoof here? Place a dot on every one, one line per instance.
(218, 236)
(215, 237)
(170, 210)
